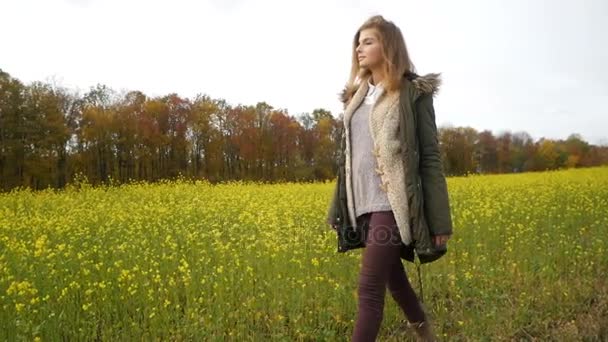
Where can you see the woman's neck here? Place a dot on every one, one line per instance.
(376, 78)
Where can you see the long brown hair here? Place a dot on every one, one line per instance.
(397, 60)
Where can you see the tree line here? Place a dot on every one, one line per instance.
(51, 136)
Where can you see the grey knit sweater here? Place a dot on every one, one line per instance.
(368, 196)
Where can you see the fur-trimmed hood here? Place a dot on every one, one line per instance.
(426, 84)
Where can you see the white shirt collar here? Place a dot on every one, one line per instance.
(373, 92)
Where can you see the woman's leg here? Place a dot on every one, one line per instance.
(381, 253)
(403, 293)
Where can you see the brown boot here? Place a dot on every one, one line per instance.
(423, 331)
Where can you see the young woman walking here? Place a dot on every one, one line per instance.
(393, 173)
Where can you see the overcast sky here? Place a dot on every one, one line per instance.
(538, 66)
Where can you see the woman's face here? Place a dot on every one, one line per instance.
(369, 50)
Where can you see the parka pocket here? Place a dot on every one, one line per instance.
(412, 202)
(416, 210)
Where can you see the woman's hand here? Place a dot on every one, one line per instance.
(441, 239)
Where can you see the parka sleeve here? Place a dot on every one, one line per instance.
(333, 207)
(434, 185)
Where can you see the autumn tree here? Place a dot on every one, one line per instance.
(49, 136)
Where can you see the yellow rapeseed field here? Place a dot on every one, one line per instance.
(243, 261)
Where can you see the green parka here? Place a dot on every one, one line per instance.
(407, 150)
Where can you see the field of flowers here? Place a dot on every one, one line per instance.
(242, 261)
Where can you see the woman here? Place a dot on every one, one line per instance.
(393, 173)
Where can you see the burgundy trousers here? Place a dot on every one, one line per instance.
(381, 267)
